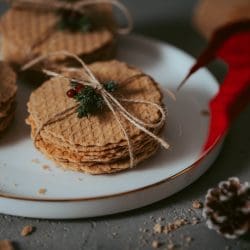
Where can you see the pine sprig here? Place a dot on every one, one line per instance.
(110, 86)
(90, 101)
(74, 21)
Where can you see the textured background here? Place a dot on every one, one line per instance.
(168, 20)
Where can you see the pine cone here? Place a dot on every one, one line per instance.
(227, 208)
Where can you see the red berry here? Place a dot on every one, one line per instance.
(79, 87)
(71, 93)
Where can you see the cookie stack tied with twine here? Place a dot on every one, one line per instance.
(8, 90)
(87, 28)
(99, 119)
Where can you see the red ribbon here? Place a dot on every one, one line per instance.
(231, 44)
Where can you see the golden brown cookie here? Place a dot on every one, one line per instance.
(97, 140)
(104, 157)
(28, 32)
(104, 168)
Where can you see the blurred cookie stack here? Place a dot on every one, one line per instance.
(8, 90)
(36, 29)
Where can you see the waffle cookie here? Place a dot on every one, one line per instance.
(8, 90)
(95, 144)
(31, 32)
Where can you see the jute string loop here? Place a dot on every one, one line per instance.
(113, 103)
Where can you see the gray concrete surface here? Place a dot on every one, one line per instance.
(168, 22)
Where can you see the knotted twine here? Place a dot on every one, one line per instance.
(113, 103)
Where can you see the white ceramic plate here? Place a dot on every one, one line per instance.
(75, 195)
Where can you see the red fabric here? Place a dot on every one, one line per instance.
(234, 92)
(231, 43)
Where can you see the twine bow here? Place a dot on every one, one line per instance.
(114, 104)
(77, 6)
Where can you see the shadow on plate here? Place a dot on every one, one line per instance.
(18, 130)
(142, 50)
(185, 131)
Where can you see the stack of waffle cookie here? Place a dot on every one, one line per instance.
(95, 144)
(31, 32)
(8, 90)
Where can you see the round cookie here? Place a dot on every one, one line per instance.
(95, 144)
(28, 32)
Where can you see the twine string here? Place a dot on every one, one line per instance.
(114, 104)
(139, 123)
(130, 148)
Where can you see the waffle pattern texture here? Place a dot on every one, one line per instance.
(27, 33)
(95, 144)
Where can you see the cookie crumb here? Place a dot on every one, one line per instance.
(160, 219)
(27, 230)
(6, 245)
(180, 222)
(155, 244)
(171, 246)
(205, 112)
(175, 225)
(35, 161)
(195, 221)
(46, 167)
(158, 228)
(42, 191)
(114, 234)
(188, 239)
(197, 204)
